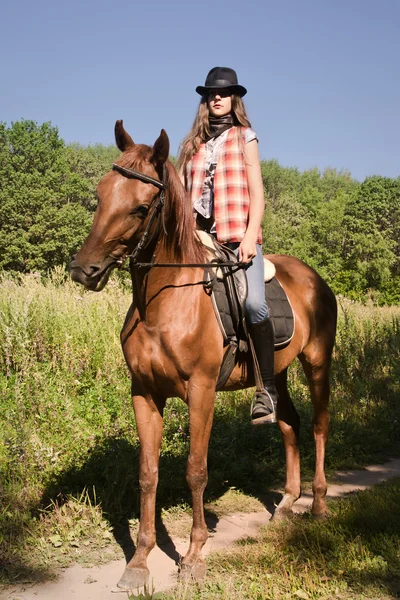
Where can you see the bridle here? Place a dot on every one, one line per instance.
(158, 200)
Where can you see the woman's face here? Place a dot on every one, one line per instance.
(219, 102)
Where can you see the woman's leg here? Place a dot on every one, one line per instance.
(262, 334)
(256, 305)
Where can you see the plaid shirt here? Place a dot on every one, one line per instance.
(231, 195)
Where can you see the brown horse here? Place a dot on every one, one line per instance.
(171, 340)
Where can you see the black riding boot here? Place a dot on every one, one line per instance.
(263, 409)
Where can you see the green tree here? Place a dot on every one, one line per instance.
(88, 165)
(42, 217)
(304, 215)
(371, 252)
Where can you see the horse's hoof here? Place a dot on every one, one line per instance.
(193, 573)
(284, 511)
(319, 510)
(133, 579)
(320, 515)
(282, 514)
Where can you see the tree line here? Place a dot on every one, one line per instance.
(349, 231)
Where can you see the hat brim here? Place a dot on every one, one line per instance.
(236, 89)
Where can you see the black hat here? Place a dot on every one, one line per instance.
(221, 77)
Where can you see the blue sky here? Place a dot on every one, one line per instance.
(323, 76)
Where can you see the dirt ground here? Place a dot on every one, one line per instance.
(99, 583)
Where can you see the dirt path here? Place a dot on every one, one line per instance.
(99, 583)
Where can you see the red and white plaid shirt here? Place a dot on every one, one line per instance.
(231, 195)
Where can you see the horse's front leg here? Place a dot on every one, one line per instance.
(149, 415)
(201, 411)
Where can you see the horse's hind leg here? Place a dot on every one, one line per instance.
(201, 412)
(148, 415)
(289, 423)
(316, 368)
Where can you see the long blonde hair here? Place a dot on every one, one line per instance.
(200, 129)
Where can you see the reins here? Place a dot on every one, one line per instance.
(215, 263)
(159, 212)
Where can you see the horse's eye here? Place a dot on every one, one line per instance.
(140, 211)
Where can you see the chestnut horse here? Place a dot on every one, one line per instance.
(171, 340)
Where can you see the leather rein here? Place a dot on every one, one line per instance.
(158, 212)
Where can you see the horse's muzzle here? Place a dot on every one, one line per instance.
(92, 276)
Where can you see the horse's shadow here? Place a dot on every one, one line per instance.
(111, 472)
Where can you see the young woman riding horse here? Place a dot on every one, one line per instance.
(221, 170)
(172, 342)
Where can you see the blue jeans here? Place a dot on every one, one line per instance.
(256, 305)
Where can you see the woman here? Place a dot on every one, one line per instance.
(220, 166)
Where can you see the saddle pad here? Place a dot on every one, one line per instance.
(281, 312)
(282, 317)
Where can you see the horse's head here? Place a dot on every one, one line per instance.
(125, 204)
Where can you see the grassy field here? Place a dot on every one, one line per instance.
(68, 444)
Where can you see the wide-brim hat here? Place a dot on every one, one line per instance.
(221, 77)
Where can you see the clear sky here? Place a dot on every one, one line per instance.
(323, 76)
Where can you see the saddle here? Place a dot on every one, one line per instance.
(227, 286)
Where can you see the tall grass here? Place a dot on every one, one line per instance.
(63, 388)
(68, 437)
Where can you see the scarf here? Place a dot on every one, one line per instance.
(218, 125)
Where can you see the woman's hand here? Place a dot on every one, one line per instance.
(247, 249)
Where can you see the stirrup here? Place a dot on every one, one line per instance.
(260, 412)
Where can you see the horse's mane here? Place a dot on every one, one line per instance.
(180, 224)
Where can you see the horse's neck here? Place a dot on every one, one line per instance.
(147, 282)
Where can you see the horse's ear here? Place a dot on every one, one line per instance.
(122, 138)
(160, 149)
